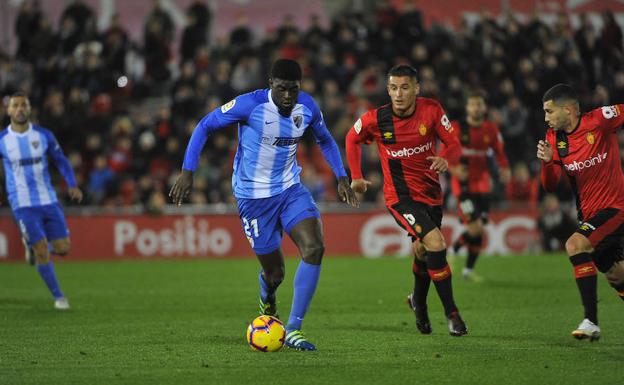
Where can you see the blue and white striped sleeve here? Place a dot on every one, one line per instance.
(62, 163)
(235, 111)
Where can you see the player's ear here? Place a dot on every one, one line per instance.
(270, 82)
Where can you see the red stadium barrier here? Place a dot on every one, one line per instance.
(371, 234)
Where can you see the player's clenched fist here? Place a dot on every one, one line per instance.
(544, 151)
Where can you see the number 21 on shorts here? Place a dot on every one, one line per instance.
(250, 226)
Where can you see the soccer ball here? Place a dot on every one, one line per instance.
(266, 334)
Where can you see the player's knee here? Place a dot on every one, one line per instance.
(614, 280)
(615, 276)
(42, 255)
(475, 229)
(576, 246)
(61, 248)
(435, 242)
(313, 254)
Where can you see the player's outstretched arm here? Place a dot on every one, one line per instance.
(64, 166)
(182, 187)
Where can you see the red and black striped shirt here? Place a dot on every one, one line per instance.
(404, 145)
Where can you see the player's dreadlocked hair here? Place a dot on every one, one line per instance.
(286, 69)
(561, 93)
(403, 70)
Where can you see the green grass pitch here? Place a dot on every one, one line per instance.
(183, 322)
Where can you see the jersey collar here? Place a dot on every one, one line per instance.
(20, 133)
(577, 126)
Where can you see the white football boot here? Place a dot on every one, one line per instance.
(587, 330)
(61, 303)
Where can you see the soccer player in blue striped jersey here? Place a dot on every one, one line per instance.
(24, 148)
(267, 187)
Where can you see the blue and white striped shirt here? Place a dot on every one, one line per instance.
(24, 157)
(265, 164)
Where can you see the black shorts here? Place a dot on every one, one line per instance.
(605, 231)
(607, 254)
(473, 207)
(417, 218)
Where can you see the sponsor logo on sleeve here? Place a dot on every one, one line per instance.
(610, 112)
(358, 126)
(446, 123)
(228, 106)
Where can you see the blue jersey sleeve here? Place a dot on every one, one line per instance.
(328, 145)
(235, 111)
(62, 163)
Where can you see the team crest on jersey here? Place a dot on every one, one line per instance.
(562, 144)
(387, 135)
(422, 129)
(486, 139)
(418, 228)
(228, 106)
(358, 126)
(35, 144)
(298, 119)
(591, 139)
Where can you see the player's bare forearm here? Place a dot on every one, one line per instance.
(345, 192)
(182, 187)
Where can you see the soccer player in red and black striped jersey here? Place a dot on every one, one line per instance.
(470, 180)
(406, 132)
(585, 148)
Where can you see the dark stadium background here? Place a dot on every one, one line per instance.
(122, 84)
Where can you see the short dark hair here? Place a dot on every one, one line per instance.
(476, 93)
(18, 94)
(560, 93)
(286, 69)
(403, 70)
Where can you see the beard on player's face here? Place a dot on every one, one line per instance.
(19, 118)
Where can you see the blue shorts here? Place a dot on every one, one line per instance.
(39, 222)
(265, 219)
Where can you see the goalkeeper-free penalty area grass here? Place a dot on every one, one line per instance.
(183, 322)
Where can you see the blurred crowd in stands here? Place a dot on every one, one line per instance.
(123, 110)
